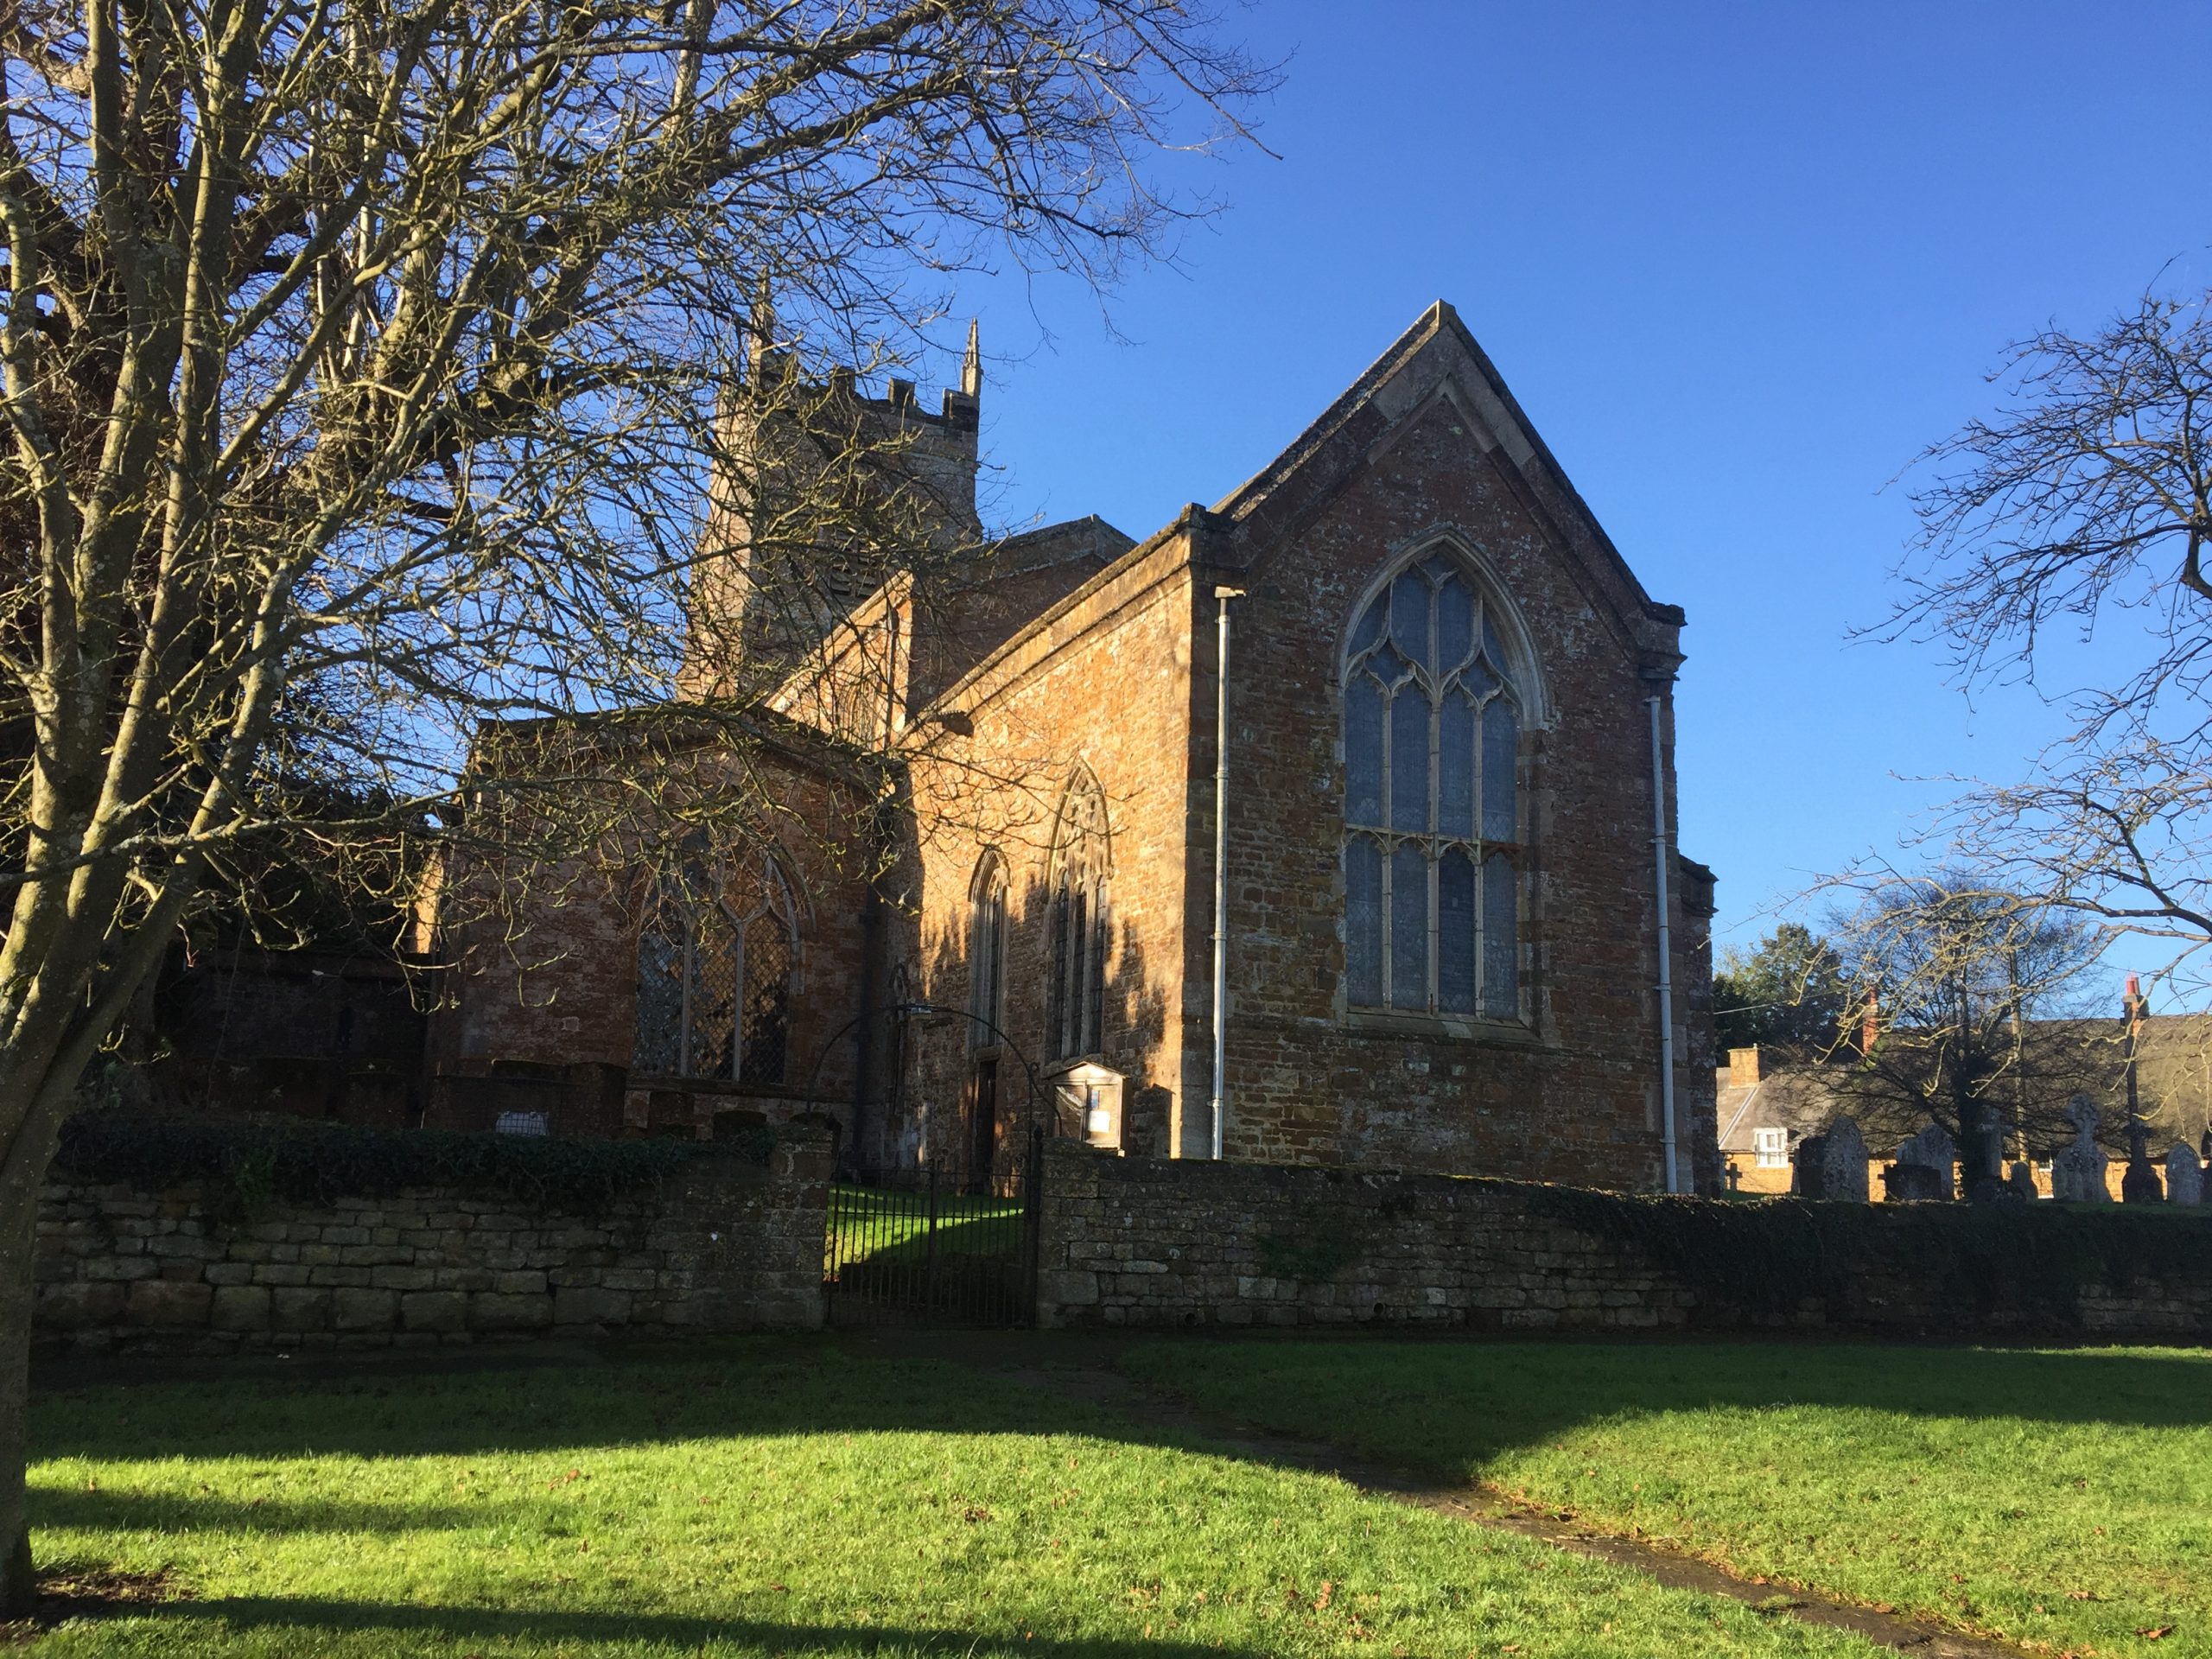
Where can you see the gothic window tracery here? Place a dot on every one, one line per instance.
(715, 963)
(1075, 998)
(987, 950)
(1432, 843)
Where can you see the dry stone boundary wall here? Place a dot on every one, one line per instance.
(726, 1244)
(1130, 1241)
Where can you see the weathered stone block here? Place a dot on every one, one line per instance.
(292, 1308)
(241, 1308)
(491, 1310)
(167, 1302)
(434, 1310)
(81, 1305)
(588, 1305)
(354, 1309)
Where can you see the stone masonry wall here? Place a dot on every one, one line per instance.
(552, 1001)
(1154, 1241)
(1571, 1093)
(728, 1245)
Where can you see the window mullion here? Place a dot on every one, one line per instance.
(684, 1020)
(1387, 851)
(1435, 746)
(737, 1009)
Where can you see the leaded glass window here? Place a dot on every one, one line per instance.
(1432, 801)
(715, 960)
(1076, 995)
(987, 951)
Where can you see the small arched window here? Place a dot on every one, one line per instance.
(1432, 841)
(715, 961)
(987, 951)
(1081, 856)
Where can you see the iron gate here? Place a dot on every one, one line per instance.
(953, 1240)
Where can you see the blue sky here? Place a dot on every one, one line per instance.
(1739, 264)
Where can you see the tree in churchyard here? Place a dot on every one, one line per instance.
(1962, 1008)
(362, 368)
(1786, 993)
(2083, 507)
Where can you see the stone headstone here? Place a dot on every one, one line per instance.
(2184, 1175)
(1843, 1162)
(1832, 1165)
(1982, 1156)
(1805, 1166)
(2023, 1181)
(1932, 1149)
(2077, 1175)
(2140, 1184)
(1908, 1182)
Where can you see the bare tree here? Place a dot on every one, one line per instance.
(362, 360)
(2089, 492)
(1958, 1012)
(2086, 502)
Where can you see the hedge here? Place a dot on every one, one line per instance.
(246, 1165)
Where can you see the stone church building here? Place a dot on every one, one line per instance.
(1450, 716)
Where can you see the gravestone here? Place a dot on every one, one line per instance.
(1982, 1156)
(1910, 1183)
(1933, 1150)
(2140, 1183)
(1832, 1165)
(2077, 1175)
(2184, 1175)
(2023, 1181)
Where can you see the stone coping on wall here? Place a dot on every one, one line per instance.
(724, 1244)
(1139, 1241)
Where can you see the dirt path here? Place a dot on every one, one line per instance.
(1081, 1366)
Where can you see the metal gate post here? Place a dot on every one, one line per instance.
(1033, 1225)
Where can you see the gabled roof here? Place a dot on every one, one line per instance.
(1438, 357)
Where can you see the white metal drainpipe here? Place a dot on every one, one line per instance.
(1222, 596)
(1666, 953)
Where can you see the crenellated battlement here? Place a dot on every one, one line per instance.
(827, 491)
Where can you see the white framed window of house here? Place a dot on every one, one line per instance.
(1771, 1148)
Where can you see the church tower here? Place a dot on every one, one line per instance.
(825, 494)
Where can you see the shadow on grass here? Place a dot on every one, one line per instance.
(1518, 1392)
(176, 1512)
(759, 1388)
(1490, 1397)
(676, 1631)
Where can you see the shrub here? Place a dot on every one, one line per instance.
(245, 1166)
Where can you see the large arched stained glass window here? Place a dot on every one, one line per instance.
(1432, 801)
(715, 961)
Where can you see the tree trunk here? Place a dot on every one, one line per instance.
(21, 1177)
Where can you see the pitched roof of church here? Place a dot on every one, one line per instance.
(1390, 390)
(1342, 437)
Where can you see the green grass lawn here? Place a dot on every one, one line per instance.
(870, 1224)
(2062, 1499)
(776, 1498)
